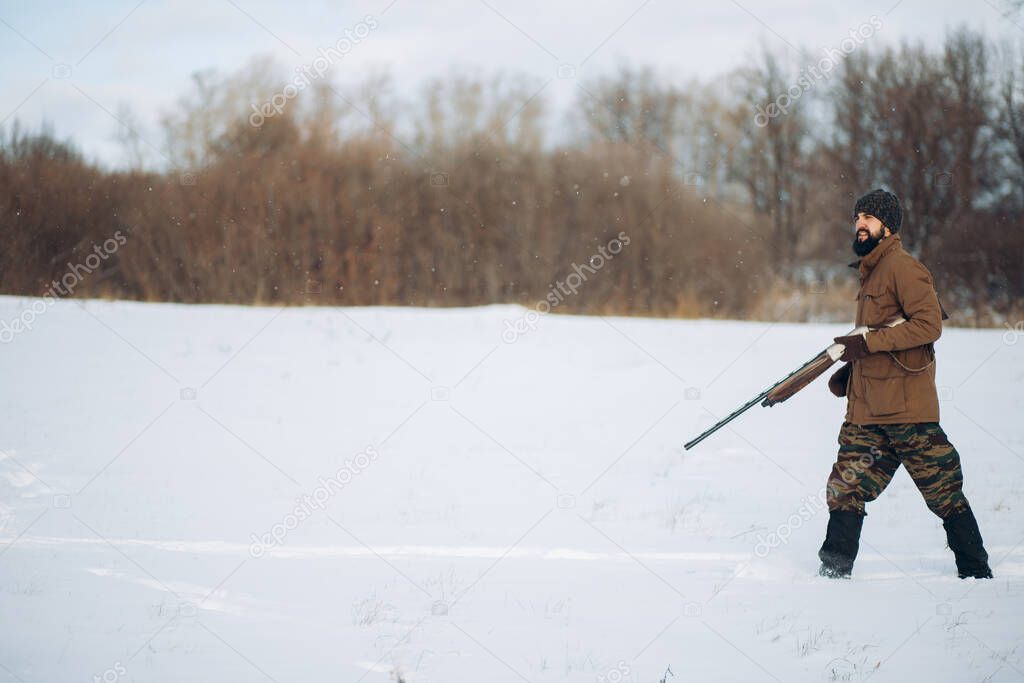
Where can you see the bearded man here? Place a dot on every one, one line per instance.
(892, 410)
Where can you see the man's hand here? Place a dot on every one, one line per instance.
(839, 379)
(855, 347)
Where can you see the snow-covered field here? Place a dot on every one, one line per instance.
(205, 493)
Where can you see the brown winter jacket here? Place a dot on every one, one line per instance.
(895, 382)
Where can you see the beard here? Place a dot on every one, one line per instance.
(867, 246)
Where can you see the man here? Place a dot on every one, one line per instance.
(892, 413)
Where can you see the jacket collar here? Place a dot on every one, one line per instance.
(868, 263)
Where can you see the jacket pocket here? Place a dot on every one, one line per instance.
(879, 366)
(884, 385)
(885, 396)
(878, 305)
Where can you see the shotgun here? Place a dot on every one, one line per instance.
(791, 383)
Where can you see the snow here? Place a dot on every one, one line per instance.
(473, 509)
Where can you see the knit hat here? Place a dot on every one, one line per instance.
(885, 206)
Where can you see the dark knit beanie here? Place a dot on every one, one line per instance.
(885, 206)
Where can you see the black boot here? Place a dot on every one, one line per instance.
(965, 541)
(842, 540)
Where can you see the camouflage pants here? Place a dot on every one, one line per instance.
(869, 456)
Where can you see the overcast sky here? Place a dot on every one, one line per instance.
(74, 66)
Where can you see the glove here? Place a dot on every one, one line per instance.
(839, 379)
(856, 347)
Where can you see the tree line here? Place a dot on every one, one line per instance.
(733, 207)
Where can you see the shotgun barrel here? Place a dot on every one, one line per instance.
(791, 383)
(760, 398)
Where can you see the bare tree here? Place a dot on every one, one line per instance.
(770, 156)
(1010, 119)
